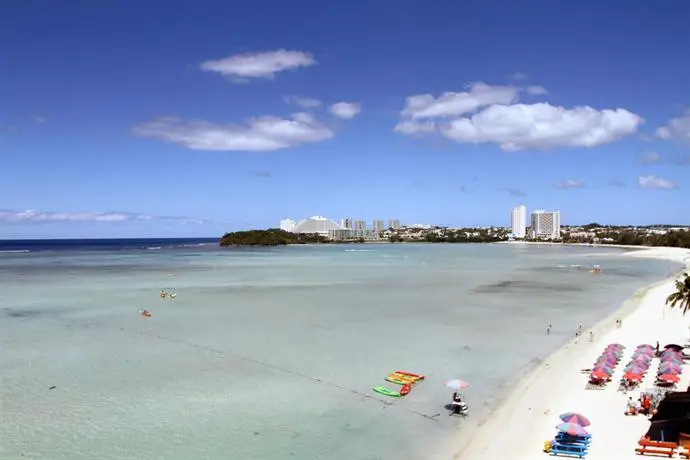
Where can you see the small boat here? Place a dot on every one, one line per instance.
(405, 389)
(401, 379)
(410, 374)
(387, 392)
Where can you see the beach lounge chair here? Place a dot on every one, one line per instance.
(656, 448)
(570, 450)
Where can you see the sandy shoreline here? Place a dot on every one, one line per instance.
(518, 428)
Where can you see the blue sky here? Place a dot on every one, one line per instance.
(123, 118)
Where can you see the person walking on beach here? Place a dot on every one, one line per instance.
(657, 348)
(548, 329)
(591, 336)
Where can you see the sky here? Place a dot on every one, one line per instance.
(123, 118)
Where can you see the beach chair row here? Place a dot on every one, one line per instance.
(660, 448)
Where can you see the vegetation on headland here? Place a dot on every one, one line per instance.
(270, 237)
(681, 297)
(588, 234)
(660, 235)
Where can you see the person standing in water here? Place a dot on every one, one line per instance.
(548, 329)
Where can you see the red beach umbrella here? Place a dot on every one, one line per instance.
(600, 374)
(669, 378)
(633, 376)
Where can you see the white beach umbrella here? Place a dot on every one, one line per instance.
(457, 384)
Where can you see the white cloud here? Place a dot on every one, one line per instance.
(677, 129)
(454, 104)
(568, 184)
(304, 102)
(346, 110)
(517, 76)
(28, 216)
(38, 216)
(259, 134)
(259, 65)
(650, 158)
(415, 127)
(492, 114)
(655, 182)
(536, 90)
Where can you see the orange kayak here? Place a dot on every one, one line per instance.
(410, 375)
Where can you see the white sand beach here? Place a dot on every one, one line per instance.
(519, 428)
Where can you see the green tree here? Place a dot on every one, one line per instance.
(681, 298)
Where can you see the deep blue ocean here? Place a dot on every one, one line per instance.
(98, 244)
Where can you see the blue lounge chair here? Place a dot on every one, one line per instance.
(571, 450)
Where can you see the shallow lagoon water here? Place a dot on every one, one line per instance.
(272, 353)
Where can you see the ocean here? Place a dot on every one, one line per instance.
(271, 353)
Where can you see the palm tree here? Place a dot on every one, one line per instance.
(681, 298)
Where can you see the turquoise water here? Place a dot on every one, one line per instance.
(272, 353)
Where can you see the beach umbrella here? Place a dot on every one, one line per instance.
(615, 345)
(633, 376)
(609, 358)
(573, 429)
(645, 346)
(674, 347)
(671, 352)
(600, 374)
(457, 384)
(672, 359)
(648, 353)
(669, 378)
(635, 368)
(641, 358)
(574, 417)
(668, 365)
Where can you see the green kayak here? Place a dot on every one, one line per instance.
(387, 392)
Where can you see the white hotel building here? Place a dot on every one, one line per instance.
(288, 225)
(546, 225)
(518, 221)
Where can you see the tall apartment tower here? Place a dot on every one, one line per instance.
(378, 225)
(546, 225)
(518, 221)
(394, 224)
(360, 225)
(287, 225)
(346, 223)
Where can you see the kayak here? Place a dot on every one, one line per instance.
(405, 390)
(385, 391)
(410, 374)
(398, 381)
(401, 379)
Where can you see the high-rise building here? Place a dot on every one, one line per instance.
(360, 225)
(287, 225)
(546, 225)
(394, 224)
(346, 223)
(518, 221)
(378, 225)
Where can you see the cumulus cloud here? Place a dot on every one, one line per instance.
(536, 90)
(491, 114)
(543, 126)
(259, 65)
(8, 215)
(304, 102)
(568, 184)
(650, 158)
(656, 183)
(451, 104)
(345, 110)
(259, 134)
(677, 129)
